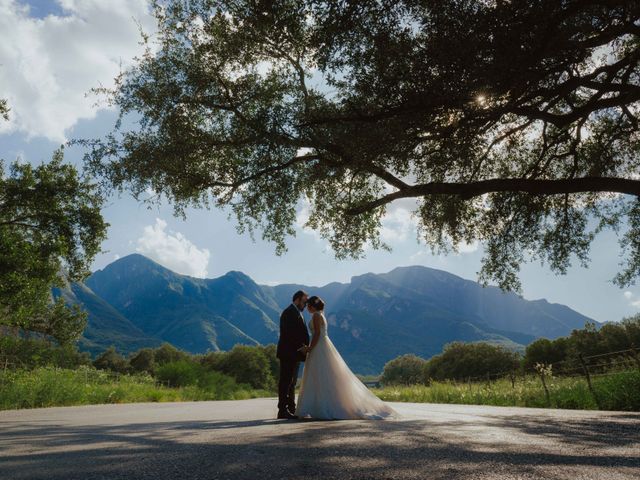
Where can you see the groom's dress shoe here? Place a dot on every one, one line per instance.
(286, 414)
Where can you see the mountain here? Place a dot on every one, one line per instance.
(105, 325)
(419, 310)
(372, 319)
(500, 310)
(192, 313)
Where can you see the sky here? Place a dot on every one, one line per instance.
(53, 52)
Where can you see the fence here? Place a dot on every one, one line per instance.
(597, 365)
(580, 366)
(607, 364)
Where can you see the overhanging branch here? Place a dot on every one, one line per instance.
(263, 172)
(470, 190)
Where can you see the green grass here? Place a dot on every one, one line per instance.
(616, 391)
(53, 386)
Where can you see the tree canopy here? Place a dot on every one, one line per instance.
(51, 228)
(511, 122)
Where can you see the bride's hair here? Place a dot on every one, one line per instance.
(316, 302)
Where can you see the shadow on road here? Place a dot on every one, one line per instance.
(328, 449)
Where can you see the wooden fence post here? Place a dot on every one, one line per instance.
(585, 369)
(542, 371)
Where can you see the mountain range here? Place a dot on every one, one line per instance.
(134, 302)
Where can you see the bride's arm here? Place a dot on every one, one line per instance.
(316, 330)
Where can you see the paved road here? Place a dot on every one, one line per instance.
(241, 440)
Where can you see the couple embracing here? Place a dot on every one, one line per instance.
(329, 390)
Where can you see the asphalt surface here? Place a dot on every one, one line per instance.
(242, 440)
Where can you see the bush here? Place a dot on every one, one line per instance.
(111, 360)
(212, 360)
(459, 361)
(544, 351)
(167, 353)
(246, 364)
(143, 361)
(212, 381)
(179, 373)
(404, 370)
(32, 353)
(619, 391)
(274, 363)
(587, 341)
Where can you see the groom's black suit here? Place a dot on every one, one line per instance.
(293, 335)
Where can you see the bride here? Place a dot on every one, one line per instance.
(329, 390)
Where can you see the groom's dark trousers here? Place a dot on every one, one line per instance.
(287, 385)
(293, 335)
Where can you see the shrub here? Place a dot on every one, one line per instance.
(545, 351)
(110, 359)
(143, 361)
(462, 360)
(274, 363)
(32, 353)
(590, 340)
(246, 364)
(167, 353)
(179, 373)
(212, 360)
(404, 370)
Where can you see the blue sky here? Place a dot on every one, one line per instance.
(53, 52)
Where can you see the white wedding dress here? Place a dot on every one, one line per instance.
(329, 390)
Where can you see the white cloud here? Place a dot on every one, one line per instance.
(633, 299)
(302, 217)
(418, 255)
(397, 224)
(173, 250)
(48, 65)
(465, 247)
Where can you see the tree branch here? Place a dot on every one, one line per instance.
(264, 171)
(467, 191)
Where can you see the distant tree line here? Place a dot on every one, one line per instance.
(462, 361)
(255, 366)
(588, 341)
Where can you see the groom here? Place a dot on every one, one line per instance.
(293, 337)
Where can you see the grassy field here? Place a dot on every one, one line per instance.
(53, 386)
(614, 391)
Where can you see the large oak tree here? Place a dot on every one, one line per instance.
(513, 122)
(51, 229)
